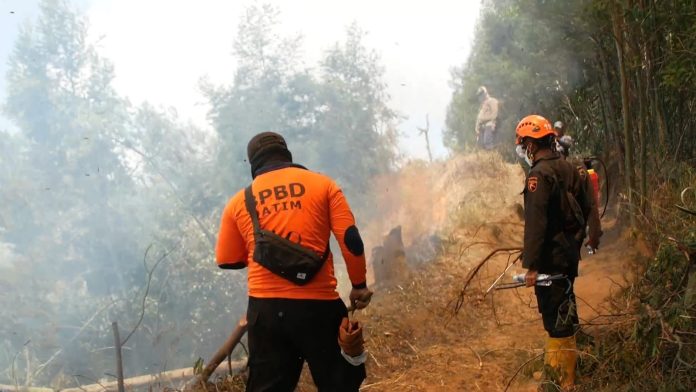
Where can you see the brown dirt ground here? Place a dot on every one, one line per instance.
(415, 345)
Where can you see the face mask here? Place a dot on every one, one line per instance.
(519, 150)
(522, 153)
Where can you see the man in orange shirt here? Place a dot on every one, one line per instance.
(294, 310)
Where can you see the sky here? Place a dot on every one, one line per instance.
(162, 48)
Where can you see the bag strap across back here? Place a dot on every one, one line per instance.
(250, 204)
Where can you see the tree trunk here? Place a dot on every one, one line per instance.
(642, 157)
(610, 101)
(426, 131)
(618, 28)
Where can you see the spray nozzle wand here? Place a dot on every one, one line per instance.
(542, 279)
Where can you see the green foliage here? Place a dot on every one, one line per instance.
(559, 59)
(69, 234)
(88, 184)
(525, 54)
(655, 351)
(355, 127)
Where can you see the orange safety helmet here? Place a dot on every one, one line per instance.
(533, 126)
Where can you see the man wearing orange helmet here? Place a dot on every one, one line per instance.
(555, 204)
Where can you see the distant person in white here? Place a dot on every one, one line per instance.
(486, 119)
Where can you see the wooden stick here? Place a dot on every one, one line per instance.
(119, 359)
(224, 351)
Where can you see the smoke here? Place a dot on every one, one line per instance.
(428, 201)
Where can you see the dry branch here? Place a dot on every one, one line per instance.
(459, 300)
(150, 272)
(224, 351)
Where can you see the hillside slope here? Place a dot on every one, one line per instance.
(415, 342)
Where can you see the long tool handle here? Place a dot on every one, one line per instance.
(519, 281)
(506, 286)
(500, 276)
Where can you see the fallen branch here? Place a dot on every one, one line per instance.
(223, 352)
(520, 368)
(459, 300)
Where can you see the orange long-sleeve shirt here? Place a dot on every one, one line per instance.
(303, 206)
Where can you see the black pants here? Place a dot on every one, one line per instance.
(283, 333)
(558, 308)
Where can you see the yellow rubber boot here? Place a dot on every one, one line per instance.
(561, 355)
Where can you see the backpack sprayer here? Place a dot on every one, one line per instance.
(594, 178)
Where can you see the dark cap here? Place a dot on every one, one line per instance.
(266, 145)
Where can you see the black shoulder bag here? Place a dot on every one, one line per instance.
(281, 256)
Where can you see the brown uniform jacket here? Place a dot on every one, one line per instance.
(487, 113)
(553, 233)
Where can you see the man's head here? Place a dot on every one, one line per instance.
(534, 133)
(559, 127)
(482, 93)
(267, 147)
(565, 143)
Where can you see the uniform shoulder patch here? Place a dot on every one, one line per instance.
(532, 183)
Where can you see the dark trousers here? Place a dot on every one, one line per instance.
(283, 333)
(487, 136)
(558, 308)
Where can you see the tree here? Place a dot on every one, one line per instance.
(355, 126)
(253, 103)
(527, 61)
(339, 123)
(75, 230)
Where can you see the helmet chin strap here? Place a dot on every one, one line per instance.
(529, 158)
(531, 149)
(530, 152)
